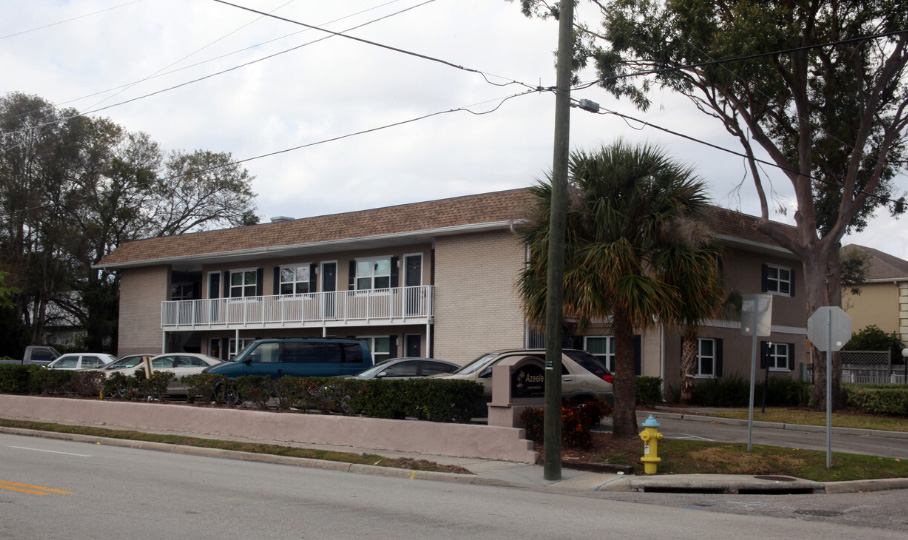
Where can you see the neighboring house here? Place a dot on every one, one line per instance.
(883, 300)
(436, 278)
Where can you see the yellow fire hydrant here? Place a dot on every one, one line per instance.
(650, 438)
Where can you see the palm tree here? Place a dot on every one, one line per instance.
(622, 203)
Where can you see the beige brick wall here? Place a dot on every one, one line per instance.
(477, 306)
(141, 292)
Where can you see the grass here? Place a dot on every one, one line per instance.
(702, 457)
(815, 418)
(239, 446)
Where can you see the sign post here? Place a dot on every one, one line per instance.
(756, 320)
(829, 329)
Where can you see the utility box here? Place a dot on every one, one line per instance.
(518, 382)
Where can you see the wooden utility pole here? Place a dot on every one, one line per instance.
(557, 225)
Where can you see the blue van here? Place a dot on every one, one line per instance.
(299, 357)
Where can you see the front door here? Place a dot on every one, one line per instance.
(329, 288)
(413, 293)
(412, 344)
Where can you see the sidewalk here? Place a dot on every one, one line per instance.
(510, 474)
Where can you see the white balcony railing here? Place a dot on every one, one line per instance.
(392, 306)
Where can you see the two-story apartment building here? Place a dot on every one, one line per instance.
(436, 278)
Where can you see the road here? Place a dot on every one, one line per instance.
(713, 431)
(115, 492)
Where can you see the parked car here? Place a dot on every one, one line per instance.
(39, 355)
(128, 361)
(82, 361)
(406, 368)
(298, 357)
(583, 376)
(180, 364)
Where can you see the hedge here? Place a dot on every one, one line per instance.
(734, 391)
(649, 391)
(887, 399)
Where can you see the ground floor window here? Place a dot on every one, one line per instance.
(777, 355)
(382, 347)
(706, 357)
(237, 346)
(602, 347)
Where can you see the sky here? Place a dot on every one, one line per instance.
(154, 66)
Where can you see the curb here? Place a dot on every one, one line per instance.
(310, 463)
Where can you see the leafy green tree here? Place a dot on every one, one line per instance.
(624, 203)
(73, 188)
(819, 87)
(873, 338)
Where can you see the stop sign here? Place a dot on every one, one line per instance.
(829, 327)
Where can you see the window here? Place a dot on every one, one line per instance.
(266, 353)
(602, 347)
(243, 283)
(295, 279)
(91, 362)
(163, 362)
(181, 291)
(373, 273)
(243, 343)
(706, 357)
(402, 369)
(380, 346)
(778, 280)
(777, 356)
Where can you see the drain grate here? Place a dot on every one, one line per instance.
(776, 478)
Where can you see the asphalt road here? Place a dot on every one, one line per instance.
(94, 491)
(791, 438)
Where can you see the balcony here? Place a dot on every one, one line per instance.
(396, 306)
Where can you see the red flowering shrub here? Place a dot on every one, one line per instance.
(577, 421)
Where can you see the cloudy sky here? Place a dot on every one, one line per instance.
(156, 66)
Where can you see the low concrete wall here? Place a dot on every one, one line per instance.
(460, 440)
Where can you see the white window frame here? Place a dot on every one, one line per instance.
(372, 276)
(607, 357)
(372, 349)
(185, 287)
(777, 281)
(233, 350)
(773, 357)
(296, 267)
(243, 271)
(701, 358)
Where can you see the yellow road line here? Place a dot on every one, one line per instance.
(52, 490)
(33, 492)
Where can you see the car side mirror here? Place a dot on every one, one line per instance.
(381, 375)
(487, 372)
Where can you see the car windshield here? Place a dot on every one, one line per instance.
(587, 361)
(475, 365)
(125, 362)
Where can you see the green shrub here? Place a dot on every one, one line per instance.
(649, 391)
(734, 391)
(87, 383)
(119, 386)
(203, 387)
(888, 399)
(256, 389)
(14, 379)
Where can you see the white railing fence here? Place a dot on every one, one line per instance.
(397, 304)
(866, 367)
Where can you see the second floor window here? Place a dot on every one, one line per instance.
(243, 283)
(373, 273)
(295, 279)
(778, 280)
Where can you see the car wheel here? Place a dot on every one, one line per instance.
(232, 397)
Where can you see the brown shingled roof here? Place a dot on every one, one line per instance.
(501, 206)
(496, 207)
(880, 265)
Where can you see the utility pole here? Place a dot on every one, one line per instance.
(557, 225)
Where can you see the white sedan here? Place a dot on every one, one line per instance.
(73, 361)
(180, 364)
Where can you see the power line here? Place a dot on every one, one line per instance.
(467, 108)
(606, 112)
(376, 44)
(68, 20)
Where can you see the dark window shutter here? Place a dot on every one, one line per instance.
(276, 287)
(764, 286)
(638, 355)
(719, 357)
(395, 271)
(792, 286)
(791, 356)
(214, 285)
(259, 278)
(313, 278)
(764, 354)
(352, 280)
(226, 283)
(392, 348)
